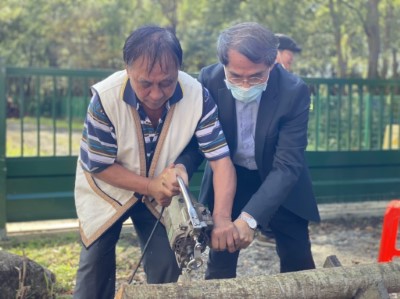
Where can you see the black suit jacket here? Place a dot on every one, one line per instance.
(280, 143)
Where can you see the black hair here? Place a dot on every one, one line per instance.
(158, 44)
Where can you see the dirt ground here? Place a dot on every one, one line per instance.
(351, 232)
(352, 240)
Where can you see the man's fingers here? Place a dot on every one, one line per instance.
(222, 243)
(214, 241)
(218, 241)
(233, 241)
(165, 202)
(232, 246)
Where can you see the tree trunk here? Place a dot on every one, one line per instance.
(21, 277)
(395, 65)
(373, 37)
(326, 283)
(170, 11)
(341, 63)
(387, 39)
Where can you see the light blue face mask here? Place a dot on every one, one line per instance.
(246, 95)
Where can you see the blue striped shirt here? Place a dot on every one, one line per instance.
(98, 148)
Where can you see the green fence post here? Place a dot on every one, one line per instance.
(3, 169)
(368, 118)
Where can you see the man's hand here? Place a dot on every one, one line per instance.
(246, 234)
(224, 235)
(163, 187)
(180, 170)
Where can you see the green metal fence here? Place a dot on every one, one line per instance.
(45, 109)
(354, 114)
(41, 118)
(353, 149)
(3, 169)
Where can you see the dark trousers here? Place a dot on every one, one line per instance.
(291, 234)
(97, 264)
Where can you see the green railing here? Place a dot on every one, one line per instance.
(354, 114)
(353, 149)
(3, 169)
(46, 109)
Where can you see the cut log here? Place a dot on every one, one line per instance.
(21, 277)
(324, 283)
(377, 291)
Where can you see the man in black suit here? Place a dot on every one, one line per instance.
(263, 110)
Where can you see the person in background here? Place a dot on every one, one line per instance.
(287, 49)
(132, 150)
(263, 110)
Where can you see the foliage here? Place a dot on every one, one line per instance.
(90, 34)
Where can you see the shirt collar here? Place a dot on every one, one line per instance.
(130, 98)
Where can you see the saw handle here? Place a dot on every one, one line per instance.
(194, 218)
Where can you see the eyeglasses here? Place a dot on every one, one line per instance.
(250, 81)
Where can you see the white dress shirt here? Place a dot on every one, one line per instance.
(246, 115)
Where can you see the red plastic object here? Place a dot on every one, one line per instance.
(390, 229)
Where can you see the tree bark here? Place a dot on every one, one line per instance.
(371, 28)
(387, 39)
(326, 283)
(21, 277)
(170, 11)
(373, 37)
(395, 65)
(341, 63)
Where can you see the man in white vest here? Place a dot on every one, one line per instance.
(143, 127)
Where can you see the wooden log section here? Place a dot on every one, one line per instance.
(21, 277)
(323, 283)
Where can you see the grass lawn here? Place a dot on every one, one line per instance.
(59, 252)
(28, 138)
